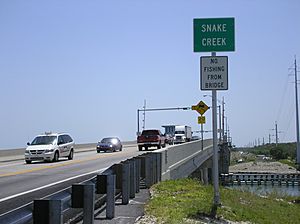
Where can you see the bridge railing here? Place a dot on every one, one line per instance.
(180, 161)
(122, 180)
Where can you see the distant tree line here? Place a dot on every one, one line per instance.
(281, 151)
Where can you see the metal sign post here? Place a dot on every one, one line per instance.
(201, 136)
(214, 35)
(201, 120)
(201, 108)
(215, 146)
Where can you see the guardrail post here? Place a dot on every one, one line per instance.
(125, 183)
(110, 196)
(83, 196)
(47, 212)
(157, 166)
(106, 184)
(148, 171)
(117, 170)
(154, 168)
(138, 174)
(101, 184)
(132, 180)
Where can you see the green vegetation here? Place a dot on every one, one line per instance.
(180, 201)
(283, 152)
(288, 162)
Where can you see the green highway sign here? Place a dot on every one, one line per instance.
(214, 35)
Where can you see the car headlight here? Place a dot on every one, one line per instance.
(49, 150)
(110, 146)
(26, 152)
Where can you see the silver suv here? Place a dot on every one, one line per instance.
(50, 147)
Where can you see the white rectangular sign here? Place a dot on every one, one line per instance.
(214, 73)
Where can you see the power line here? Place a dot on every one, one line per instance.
(283, 97)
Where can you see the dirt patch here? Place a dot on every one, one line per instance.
(262, 167)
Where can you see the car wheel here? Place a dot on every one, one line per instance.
(70, 157)
(98, 151)
(28, 161)
(140, 148)
(56, 156)
(146, 148)
(121, 148)
(159, 146)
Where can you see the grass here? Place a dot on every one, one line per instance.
(288, 162)
(180, 200)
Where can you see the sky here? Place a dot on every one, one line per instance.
(86, 67)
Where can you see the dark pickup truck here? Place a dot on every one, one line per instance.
(151, 138)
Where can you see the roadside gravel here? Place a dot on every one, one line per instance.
(262, 167)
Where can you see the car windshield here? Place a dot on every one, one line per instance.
(179, 132)
(150, 132)
(43, 140)
(109, 140)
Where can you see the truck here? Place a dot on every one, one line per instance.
(169, 133)
(182, 134)
(151, 138)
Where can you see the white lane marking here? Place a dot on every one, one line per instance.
(50, 185)
(11, 164)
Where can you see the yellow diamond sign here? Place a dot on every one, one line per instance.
(201, 107)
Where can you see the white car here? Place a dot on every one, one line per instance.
(50, 147)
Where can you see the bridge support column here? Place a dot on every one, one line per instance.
(204, 172)
(224, 160)
(210, 175)
(205, 175)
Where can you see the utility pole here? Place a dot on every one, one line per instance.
(297, 118)
(144, 115)
(269, 138)
(276, 133)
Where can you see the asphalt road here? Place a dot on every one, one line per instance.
(21, 183)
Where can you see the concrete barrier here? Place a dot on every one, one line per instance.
(179, 161)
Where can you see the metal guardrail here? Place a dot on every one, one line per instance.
(122, 180)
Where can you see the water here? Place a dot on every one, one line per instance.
(266, 189)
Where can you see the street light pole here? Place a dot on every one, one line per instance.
(138, 123)
(223, 119)
(155, 109)
(220, 125)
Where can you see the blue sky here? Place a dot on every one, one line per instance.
(85, 67)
